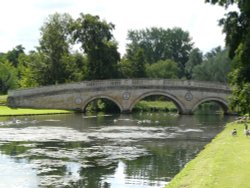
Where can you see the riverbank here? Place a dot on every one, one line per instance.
(7, 111)
(225, 162)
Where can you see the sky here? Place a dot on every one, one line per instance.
(21, 20)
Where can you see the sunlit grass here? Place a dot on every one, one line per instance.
(6, 111)
(225, 162)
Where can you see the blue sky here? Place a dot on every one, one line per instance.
(21, 20)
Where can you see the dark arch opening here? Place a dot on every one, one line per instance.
(101, 104)
(211, 106)
(156, 102)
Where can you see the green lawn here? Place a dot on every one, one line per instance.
(6, 111)
(224, 163)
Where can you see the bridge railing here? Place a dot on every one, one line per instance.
(118, 83)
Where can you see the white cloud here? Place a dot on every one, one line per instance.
(21, 20)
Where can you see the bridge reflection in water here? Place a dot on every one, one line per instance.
(125, 93)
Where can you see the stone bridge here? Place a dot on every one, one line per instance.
(125, 93)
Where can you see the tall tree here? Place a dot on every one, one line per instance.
(161, 44)
(97, 41)
(54, 48)
(236, 26)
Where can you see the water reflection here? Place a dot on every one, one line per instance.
(16, 173)
(139, 150)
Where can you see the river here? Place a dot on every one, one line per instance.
(142, 150)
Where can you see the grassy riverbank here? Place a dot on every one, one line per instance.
(166, 106)
(6, 111)
(225, 162)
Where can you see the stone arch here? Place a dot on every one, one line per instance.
(222, 102)
(174, 99)
(86, 102)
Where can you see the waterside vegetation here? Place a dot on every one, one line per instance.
(163, 106)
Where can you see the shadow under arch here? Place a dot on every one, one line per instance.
(222, 102)
(178, 104)
(85, 104)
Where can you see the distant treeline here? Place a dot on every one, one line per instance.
(150, 53)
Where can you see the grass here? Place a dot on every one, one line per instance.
(225, 162)
(6, 111)
(155, 106)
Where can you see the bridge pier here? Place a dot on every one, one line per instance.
(126, 111)
(186, 112)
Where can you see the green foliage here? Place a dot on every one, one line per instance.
(160, 44)
(236, 26)
(195, 58)
(125, 68)
(240, 99)
(155, 106)
(137, 61)
(8, 76)
(54, 49)
(102, 105)
(98, 43)
(215, 68)
(14, 54)
(77, 68)
(163, 69)
(27, 76)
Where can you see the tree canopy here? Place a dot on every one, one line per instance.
(96, 39)
(163, 69)
(160, 44)
(236, 26)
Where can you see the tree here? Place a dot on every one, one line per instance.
(161, 44)
(13, 55)
(125, 68)
(98, 43)
(195, 58)
(27, 75)
(215, 67)
(77, 69)
(138, 65)
(163, 69)
(8, 76)
(54, 48)
(236, 26)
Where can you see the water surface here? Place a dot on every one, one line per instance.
(143, 150)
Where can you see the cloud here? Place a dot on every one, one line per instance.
(21, 20)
